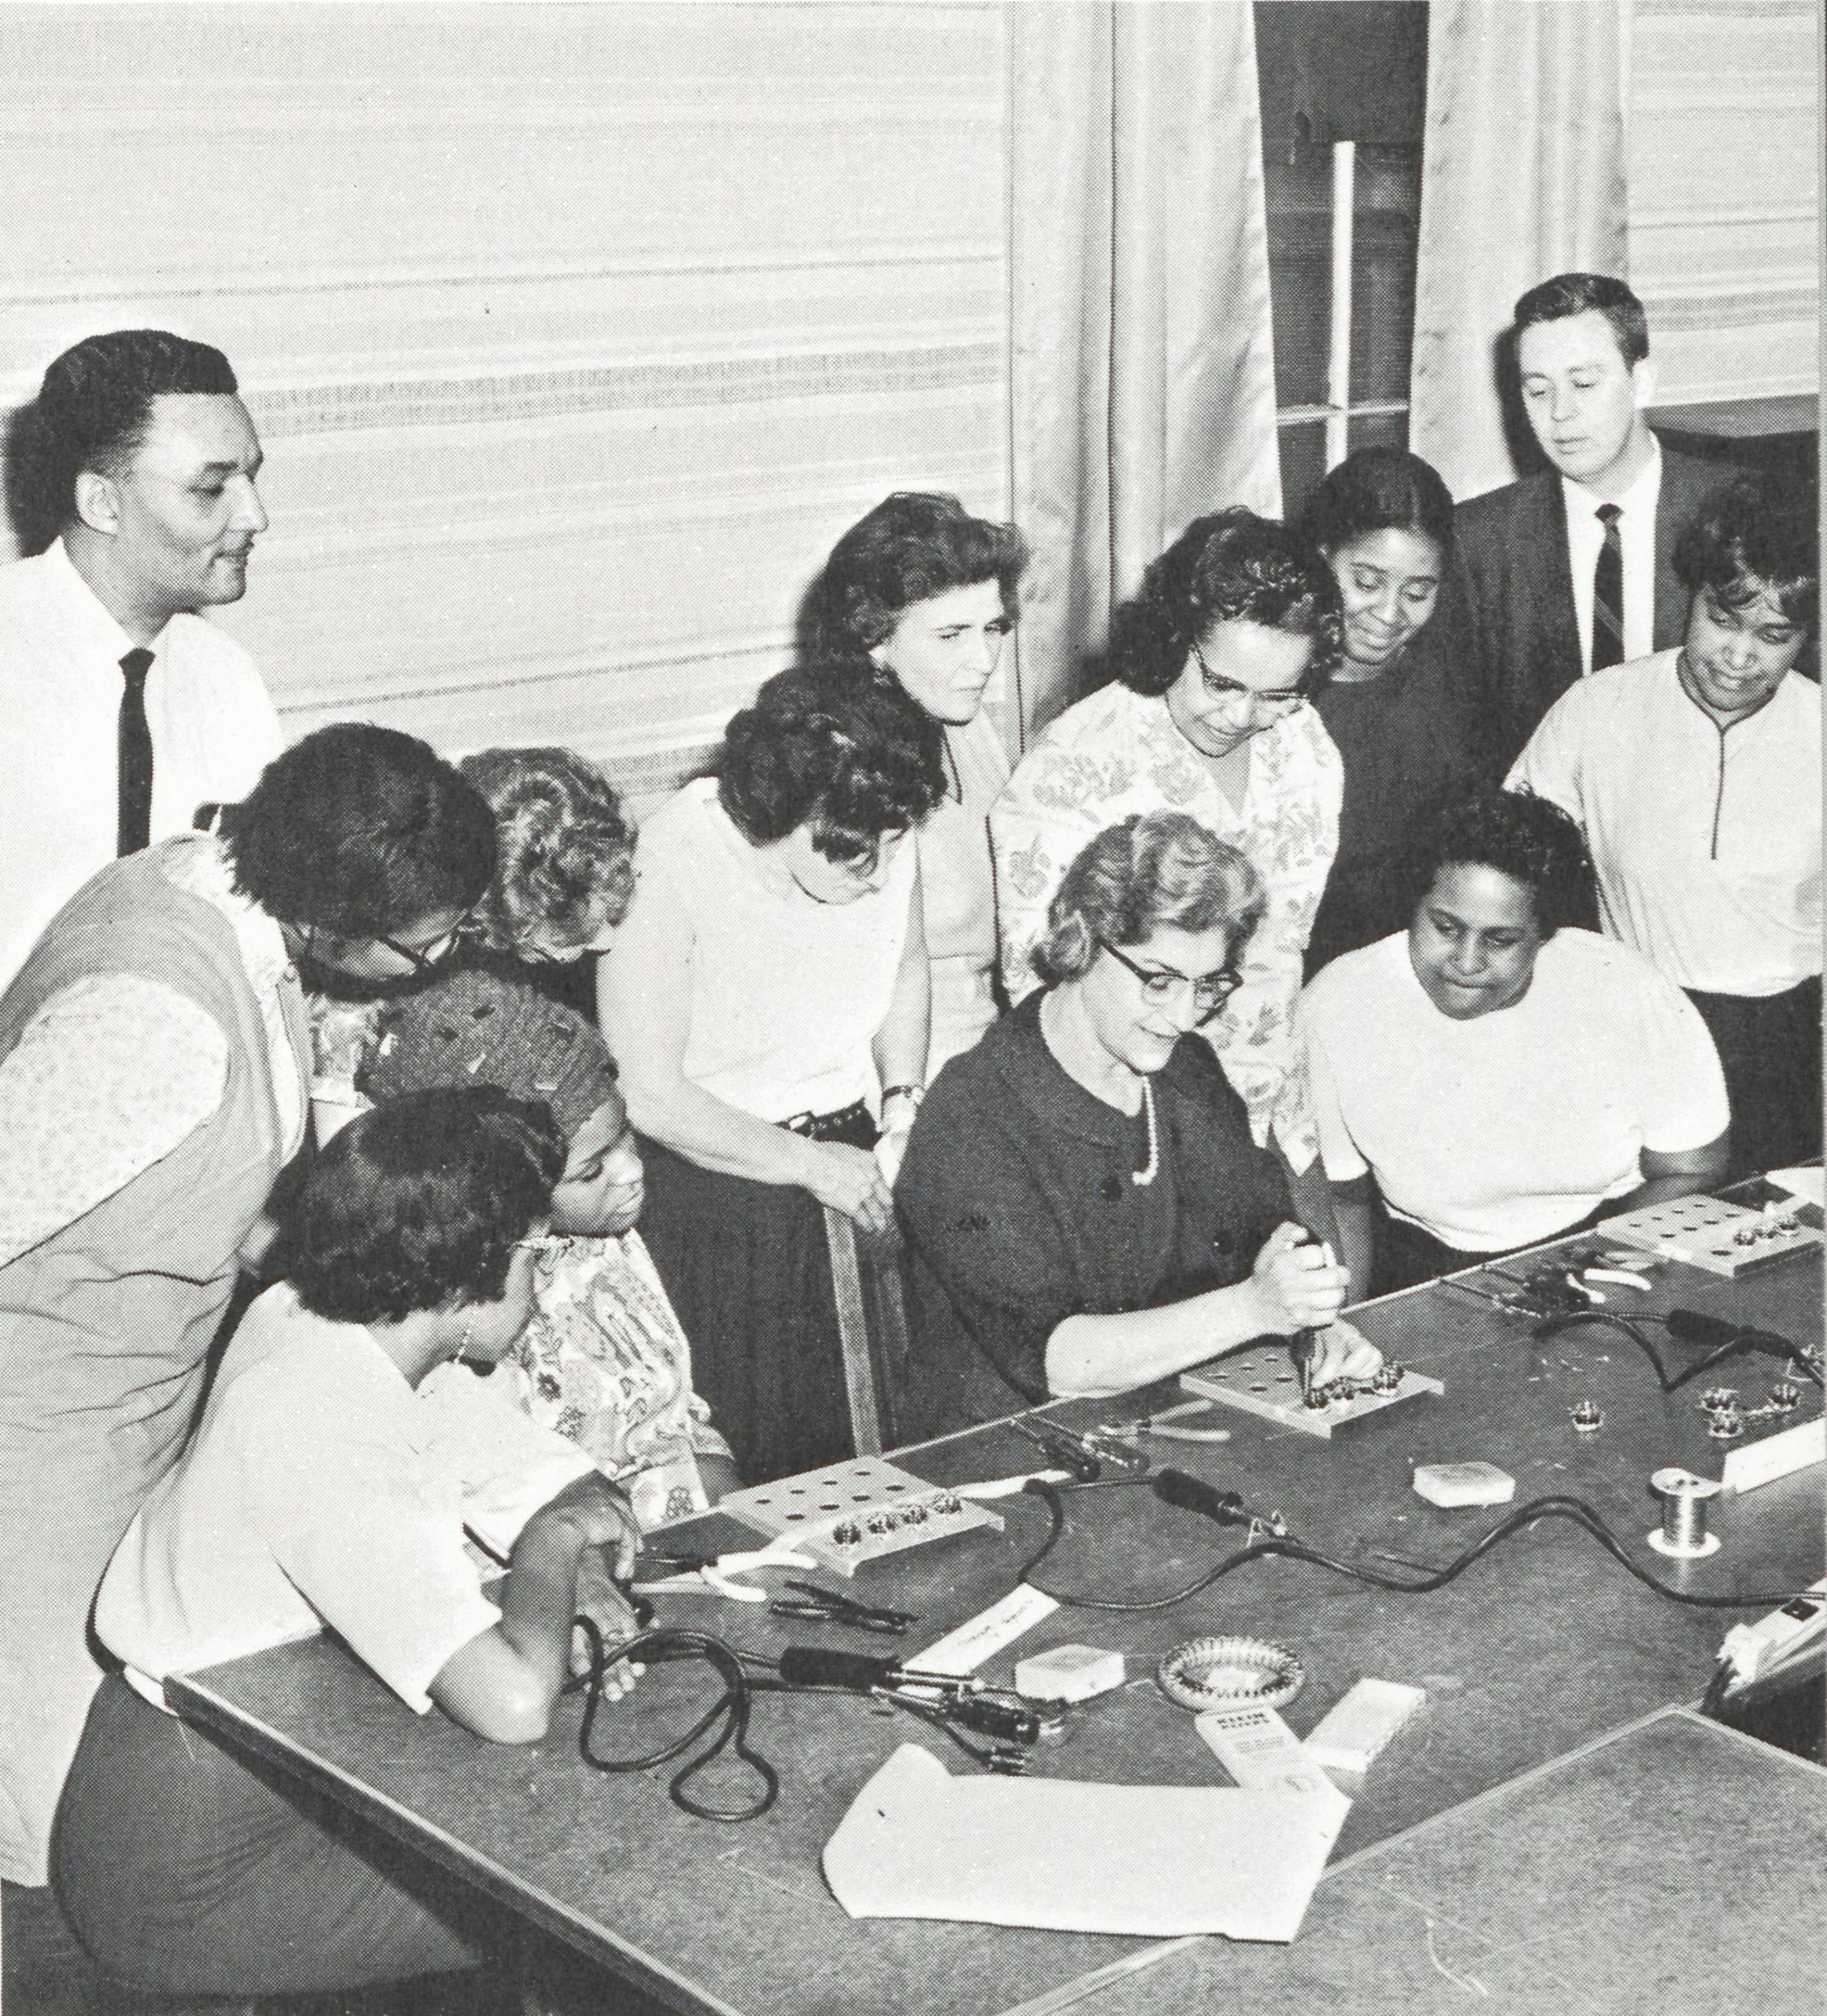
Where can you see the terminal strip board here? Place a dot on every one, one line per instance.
(1718, 1237)
(1262, 1381)
(850, 1512)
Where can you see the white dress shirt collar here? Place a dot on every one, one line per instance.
(88, 625)
(1637, 523)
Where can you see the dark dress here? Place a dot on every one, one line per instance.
(1019, 1201)
(1407, 741)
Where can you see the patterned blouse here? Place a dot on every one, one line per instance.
(1119, 752)
(605, 1362)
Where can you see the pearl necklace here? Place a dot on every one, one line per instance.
(1146, 1175)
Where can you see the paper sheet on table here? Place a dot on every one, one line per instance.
(1152, 1861)
(1806, 1183)
(507, 1464)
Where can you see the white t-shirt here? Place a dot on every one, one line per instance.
(213, 731)
(306, 1499)
(1706, 839)
(1507, 1128)
(787, 993)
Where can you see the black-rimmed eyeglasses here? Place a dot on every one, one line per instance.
(427, 959)
(1228, 693)
(1210, 991)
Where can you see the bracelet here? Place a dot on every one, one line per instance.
(913, 1092)
(1218, 1672)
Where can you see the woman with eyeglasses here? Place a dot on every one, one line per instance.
(309, 1500)
(564, 872)
(1384, 521)
(766, 999)
(603, 1360)
(921, 593)
(153, 1068)
(1084, 1207)
(1216, 660)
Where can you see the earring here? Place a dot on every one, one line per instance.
(463, 1342)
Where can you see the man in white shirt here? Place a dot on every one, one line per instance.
(1570, 569)
(133, 475)
(1696, 776)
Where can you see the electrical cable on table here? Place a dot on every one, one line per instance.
(1574, 1510)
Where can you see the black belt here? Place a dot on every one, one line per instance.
(854, 1125)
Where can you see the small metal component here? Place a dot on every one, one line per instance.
(1720, 1400)
(1388, 1376)
(1587, 1417)
(1786, 1395)
(1317, 1397)
(1683, 1534)
(846, 1532)
(1725, 1427)
(881, 1522)
(946, 1503)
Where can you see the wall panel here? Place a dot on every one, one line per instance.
(1725, 195)
(574, 333)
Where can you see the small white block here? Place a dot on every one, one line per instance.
(1464, 1484)
(1359, 1727)
(1775, 1456)
(1068, 1673)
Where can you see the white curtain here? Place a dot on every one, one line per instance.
(1523, 175)
(1143, 370)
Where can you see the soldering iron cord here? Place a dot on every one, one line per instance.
(1532, 1514)
(731, 1706)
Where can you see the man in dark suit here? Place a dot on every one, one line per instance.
(1571, 569)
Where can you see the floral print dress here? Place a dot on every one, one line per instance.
(604, 1363)
(1117, 752)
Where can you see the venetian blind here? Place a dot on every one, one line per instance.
(1724, 196)
(575, 334)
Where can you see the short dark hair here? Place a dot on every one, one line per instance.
(1747, 537)
(91, 414)
(418, 1204)
(828, 746)
(1232, 567)
(1574, 294)
(912, 545)
(359, 831)
(563, 848)
(1530, 839)
(1150, 870)
(1376, 490)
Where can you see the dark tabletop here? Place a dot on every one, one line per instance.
(1542, 1646)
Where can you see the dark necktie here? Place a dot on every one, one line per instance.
(133, 751)
(1608, 594)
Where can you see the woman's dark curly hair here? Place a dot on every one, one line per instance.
(1229, 568)
(361, 832)
(1380, 490)
(564, 849)
(1747, 538)
(1153, 870)
(1528, 838)
(418, 1204)
(827, 745)
(912, 545)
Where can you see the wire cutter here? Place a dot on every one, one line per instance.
(712, 1577)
